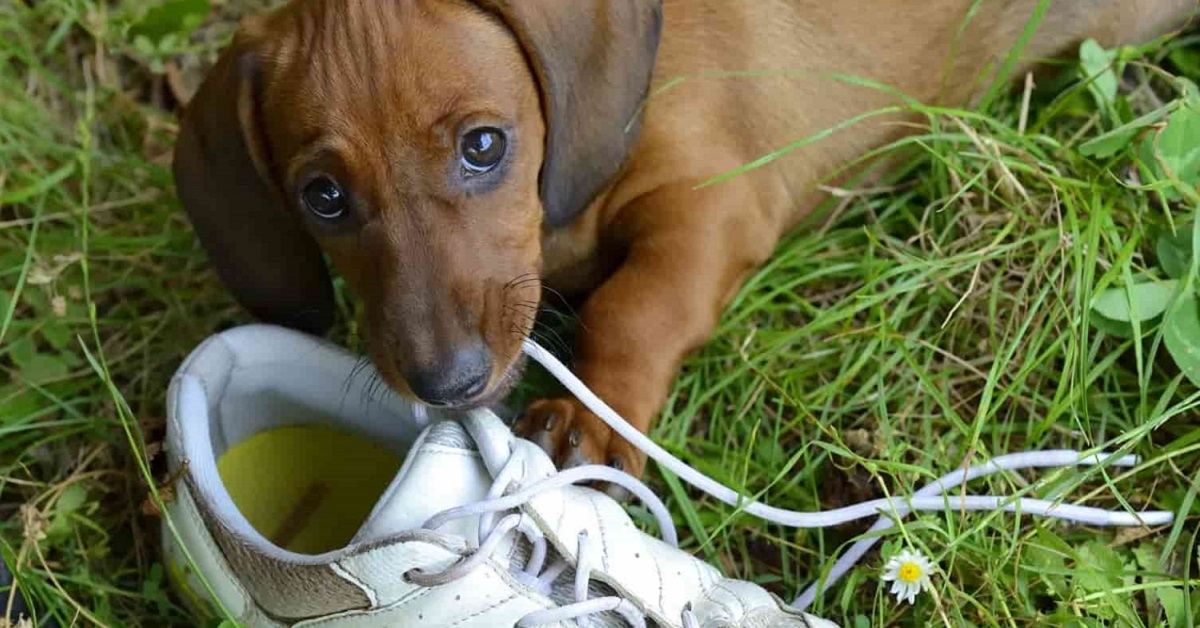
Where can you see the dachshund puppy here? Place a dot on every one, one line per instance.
(452, 157)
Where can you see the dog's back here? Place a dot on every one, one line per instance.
(736, 80)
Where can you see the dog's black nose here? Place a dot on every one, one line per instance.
(458, 378)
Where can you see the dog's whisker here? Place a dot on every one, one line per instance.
(525, 283)
(388, 393)
(560, 316)
(522, 276)
(359, 365)
(561, 299)
(527, 312)
(373, 388)
(527, 316)
(522, 280)
(550, 337)
(366, 392)
(554, 292)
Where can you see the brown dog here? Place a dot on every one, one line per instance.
(451, 155)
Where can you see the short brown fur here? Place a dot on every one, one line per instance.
(374, 94)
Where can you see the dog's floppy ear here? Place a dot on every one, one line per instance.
(260, 249)
(593, 60)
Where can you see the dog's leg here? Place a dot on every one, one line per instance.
(688, 252)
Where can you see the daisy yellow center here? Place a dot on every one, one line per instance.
(909, 572)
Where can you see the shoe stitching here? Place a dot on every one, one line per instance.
(372, 594)
(603, 534)
(661, 589)
(485, 610)
(706, 586)
(512, 553)
(735, 595)
(185, 499)
(235, 367)
(562, 511)
(708, 596)
(412, 597)
(326, 621)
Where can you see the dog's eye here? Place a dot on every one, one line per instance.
(482, 149)
(325, 198)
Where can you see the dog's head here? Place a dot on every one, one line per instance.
(423, 145)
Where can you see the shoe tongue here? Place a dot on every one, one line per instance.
(442, 470)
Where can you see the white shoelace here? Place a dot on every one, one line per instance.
(929, 498)
(536, 574)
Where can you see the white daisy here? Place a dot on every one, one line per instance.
(908, 572)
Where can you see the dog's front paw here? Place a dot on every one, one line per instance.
(571, 435)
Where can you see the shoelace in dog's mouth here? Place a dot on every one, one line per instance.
(536, 574)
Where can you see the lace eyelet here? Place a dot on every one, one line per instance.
(408, 576)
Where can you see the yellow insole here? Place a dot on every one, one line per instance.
(307, 488)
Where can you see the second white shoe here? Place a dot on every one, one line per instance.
(304, 501)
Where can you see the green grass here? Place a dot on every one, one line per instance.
(942, 319)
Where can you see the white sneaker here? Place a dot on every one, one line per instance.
(306, 501)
